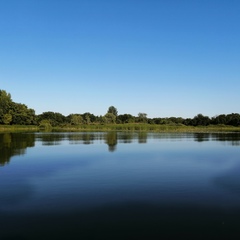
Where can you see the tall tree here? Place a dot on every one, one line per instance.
(5, 105)
(142, 117)
(14, 113)
(109, 118)
(113, 110)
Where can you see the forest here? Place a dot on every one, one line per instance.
(12, 113)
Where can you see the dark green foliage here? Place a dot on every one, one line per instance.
(125, 118)
(75, 119)
(45, 125)
(109, 118)
(112, 110)
(176, 120)
(89, 118)
(200, 120)
(187, 122)
(5, 101)
(221, 119)
(54, 118)
(15, 113)
(22, 115)
(5, 105)
(157, 120)
(142, 117)
(7, 118)
(232, 119)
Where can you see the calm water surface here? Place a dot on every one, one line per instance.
(119, 186)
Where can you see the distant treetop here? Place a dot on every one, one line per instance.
(112, 110)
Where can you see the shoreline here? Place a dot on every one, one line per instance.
(123, 127)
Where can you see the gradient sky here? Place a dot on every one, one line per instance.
(161, 57)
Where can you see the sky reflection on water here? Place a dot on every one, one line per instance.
(148, 175)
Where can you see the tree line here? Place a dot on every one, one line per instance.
(12, 113)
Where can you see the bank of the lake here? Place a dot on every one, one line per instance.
(123, 127)
(18, 128)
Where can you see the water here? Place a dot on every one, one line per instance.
(119, 186)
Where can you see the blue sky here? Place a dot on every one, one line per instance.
(164, 58)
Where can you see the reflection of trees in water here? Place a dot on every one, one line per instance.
(231, 138)
(110, 138)
(111, 141)
(84, 138)
(126, 137)
(87, 138)
(142, 137)
(49, 139)
(201, 137)
(12, 144)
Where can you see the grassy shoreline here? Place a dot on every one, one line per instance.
(124, 127)
(18, 128)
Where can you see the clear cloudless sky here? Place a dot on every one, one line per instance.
(160, 57)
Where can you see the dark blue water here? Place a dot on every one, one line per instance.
(119, 186)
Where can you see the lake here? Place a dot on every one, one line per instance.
(117, 185)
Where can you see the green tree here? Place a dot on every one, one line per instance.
(142, 117)
(233, 119)
(22, 115)
(125, 118)
(5, 104)
(5, 101)
(109, 118)
(220, 119)
(14, 113)
(45, 124)
(101, 119)
(89, 117)
(113, 110)
(76, 119)
(54, 118)
(201, 120)
(7, 118)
